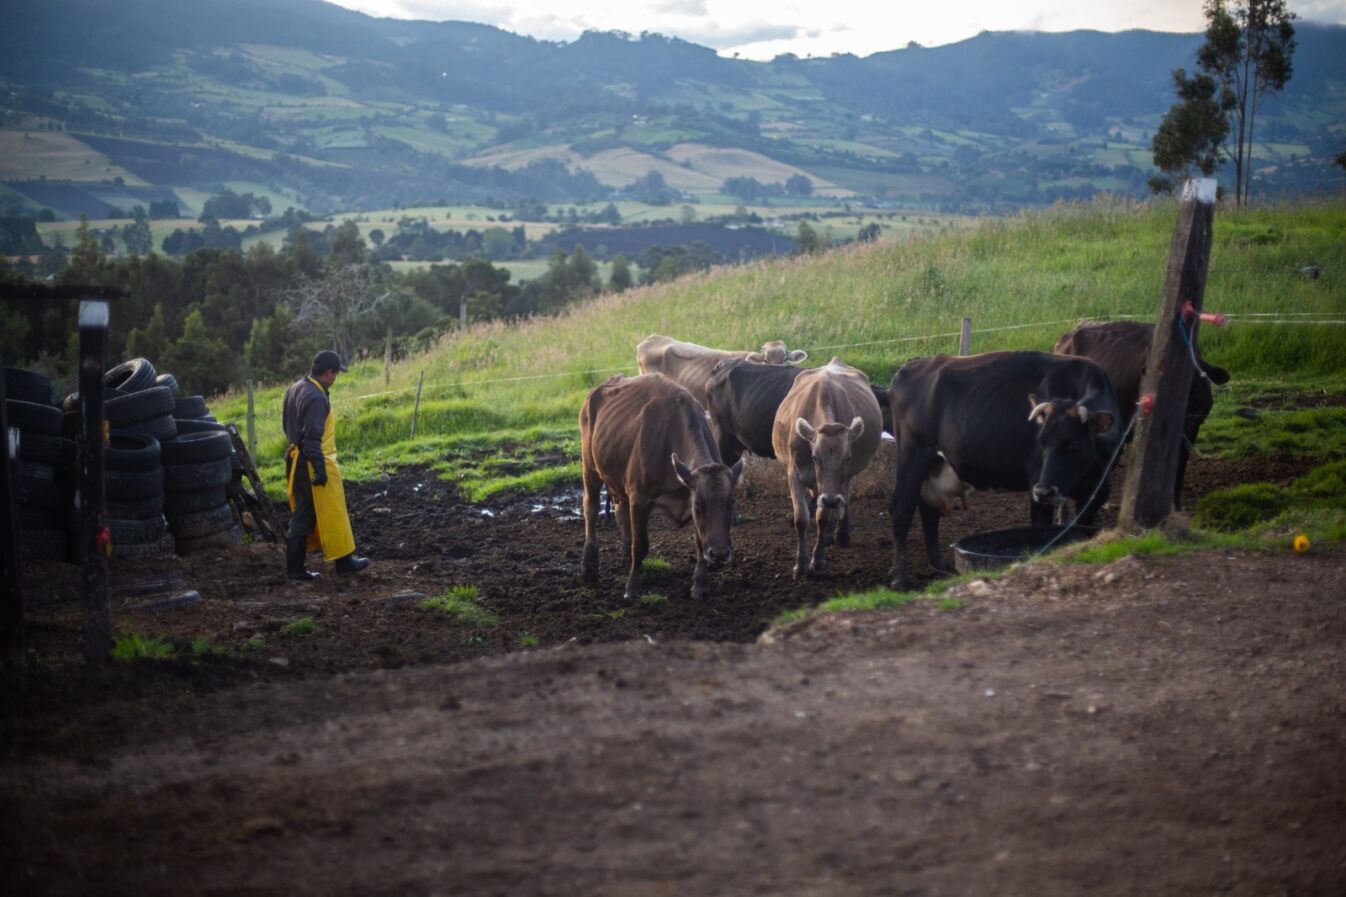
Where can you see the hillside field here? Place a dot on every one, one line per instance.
(1023, 281)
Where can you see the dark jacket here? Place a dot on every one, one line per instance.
(304, 416)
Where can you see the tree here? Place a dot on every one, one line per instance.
(806, 239)
(799, 185)
(201, 363)
(151, 341)
(619, 281)
(1249, 49)
(1341, 160)
(1192, 131)
(335, 305)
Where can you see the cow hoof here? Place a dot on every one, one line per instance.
(588, 575)
(698, 593)
(800, 570)
(818, 568)
(631, 596)
(844, 540)
(899, 585)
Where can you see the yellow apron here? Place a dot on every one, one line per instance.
(333, 531)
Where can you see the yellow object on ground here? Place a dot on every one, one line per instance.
(333, 532)
(1301, 543)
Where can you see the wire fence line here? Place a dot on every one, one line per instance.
(1281, 318)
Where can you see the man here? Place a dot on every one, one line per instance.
(318, 516)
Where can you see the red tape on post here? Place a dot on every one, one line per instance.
(1146, 404)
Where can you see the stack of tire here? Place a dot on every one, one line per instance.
(197, 473)
(45, 461)
(139, 414)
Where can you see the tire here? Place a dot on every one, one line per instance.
(163, 547)
(132, 376)
(234, 489)
(196, 477)
(226, 539)
(136, 510)
(197, 425)
(43, 494)
(190, 407)
(134, 485)
(43, 449)
(179, 503)
(30, 417)
(43, 545)
(148, 404)
(41, 518)
(168, 380)
(197, 448)
(203, 523)
(160, 428)
(137, 532)
(27, 386)
(71, 402)
(34, 470)
(131, 451)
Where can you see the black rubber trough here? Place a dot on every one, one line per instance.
(997, 548)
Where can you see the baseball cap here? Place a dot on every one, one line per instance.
(327, 360)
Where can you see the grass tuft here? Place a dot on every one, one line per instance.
(460, 602)
(301, 627)
(133, 646)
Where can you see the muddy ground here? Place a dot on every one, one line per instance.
(1166, 726)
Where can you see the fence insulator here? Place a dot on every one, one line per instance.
(1146, 404)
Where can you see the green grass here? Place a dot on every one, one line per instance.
(899, 298)
(460, 603)
(653, 599)
(133, 646)
(529, 640)
(299, 628)
(655, 568)
(1271, 429)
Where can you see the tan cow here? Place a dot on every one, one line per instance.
(826, 431)
(647, 440)
(690, 365)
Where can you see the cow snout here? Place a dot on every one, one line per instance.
(719, 556)
(831, 502)
(1047, 495)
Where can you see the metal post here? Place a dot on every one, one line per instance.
(1147, 497)
(388, 356)
(462, 313)
(11, 578)
(416, 411)
(965, 338)
(252, 424)
(93, 326)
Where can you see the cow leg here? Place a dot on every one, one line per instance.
(589, 565)
(624, 524)
(700, 575)
(1040, 514)
(844, 528)
(827, 524)
(912, 463)
(1090, 512)
(640, 543)
(930, 527)
(800, 503)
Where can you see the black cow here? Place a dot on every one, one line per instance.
(1122, 348)
(743, 398)
(1004, 420)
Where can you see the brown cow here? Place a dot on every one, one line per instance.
(648, 441)
(690, 365)
(826, 431)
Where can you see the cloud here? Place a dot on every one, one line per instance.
(720, 37)
(681, 7)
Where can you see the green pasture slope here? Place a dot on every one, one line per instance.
(500, 401)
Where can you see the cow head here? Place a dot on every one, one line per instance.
(1067, 445)
(774, 352)
(712, 501)
(831, 445)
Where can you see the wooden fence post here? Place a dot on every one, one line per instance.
(93, 327)
(416, 411)
(1147, 497)
(388, 356)
(965, 338)
(462, 313)
(252, 423)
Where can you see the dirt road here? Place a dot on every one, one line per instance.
(1167, 726)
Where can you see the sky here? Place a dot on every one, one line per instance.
(758, 30)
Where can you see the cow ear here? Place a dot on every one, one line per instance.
(796, 356)
(804, 429)
(736, 472)
(684, 475)
(857, 427)
(755, 358)
(1102, 421)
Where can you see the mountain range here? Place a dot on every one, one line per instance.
(324, 108)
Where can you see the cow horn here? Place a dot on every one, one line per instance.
(1083, 411)
(754, 358)
(1041, 408)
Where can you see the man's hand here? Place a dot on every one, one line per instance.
(320, 474)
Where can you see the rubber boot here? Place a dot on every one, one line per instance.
(295, 549)
(351, 563)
